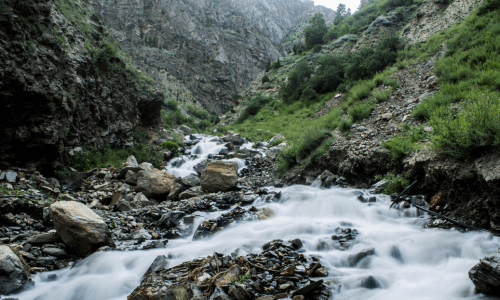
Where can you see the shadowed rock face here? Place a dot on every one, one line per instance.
(216, 48)
(55, 96)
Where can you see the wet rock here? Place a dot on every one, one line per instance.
(79, 227)
(486, 274)
(141, 234)
(176, 188)
(10, 177)
(132, 162)
(354, 259)
(307, 288)
(396, 253)
(370, 283)
(170, 219)
(219, 176)
(52, 251)
(191, 180)
(296, 243)
(265, 213)
(200, 167)
(131, 178)
(272, 153)
(12, 272)
(154, 184)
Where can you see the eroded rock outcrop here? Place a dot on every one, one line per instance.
(60, 90)
(486, 274)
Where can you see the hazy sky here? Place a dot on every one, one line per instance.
(352, 4)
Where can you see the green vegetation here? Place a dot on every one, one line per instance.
(315, 31)
(252, 108)
(396, 183)
(465, 113)
(89, 159)
(404, 143)
(197, 119)
(172, 147)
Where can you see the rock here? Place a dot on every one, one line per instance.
(154, 184)
(433, 82)
(178, 135)
(123, 205)
(44, 238)
(296, 243)
(142, 200)
(79, 227)
(354, 259)
(219, 176)
(199, 168)
(132, 162)
(141, 234)
(423, 96)
(386, 116)
(146, 166)
(191, 180)
(11, 177)
(53, 251)
(186, 130)
(272, 153)
(131, 178)
(176, 188)
(190, 193)
(321, 272)
(123, 171)
(435, 200)
(486, 274)
(12, 272)
(236, 139)
(370, 283)
(265, 213)
(160, 262)
(219, 295)
(170, 219)
(306, 289)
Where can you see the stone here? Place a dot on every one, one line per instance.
(170, 219)
(53, 251)
(190, 193)
(370, 283)
(435, 200)
(219, 294)
(154, 184)
(354, 259)
(146, 166)
(191, 180)
(176, 187)
(486, 274)
(131, 178)
(44, 238)
(265, 213)
(306, 289)
(186, 130)
(141, 234)
(80, 228)
(67, 197)
(219, 176)
(423, 96)
(132, 162)
(199, 168)
(296, 244)
(123, 171)
(123, 205)
(10, 177)
(321, 272)
(272, 153)
(236, 139)
(286, 286)
(13, 274)
(386, 116)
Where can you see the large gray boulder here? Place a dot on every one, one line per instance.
(79, 227)
(236, 139)
(191, 180)
(486, 274)
(12, 272)
(219, 176)
(155, 183)
(186, 130)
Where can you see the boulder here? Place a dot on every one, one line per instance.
(219, 176)
(176, 189)
(236, 139)
(79, 227)
(186, 130)
(132, 162)
(12, 272)
(191, 180)
(44, 238)
(170, 219)
(199, 168)
(154, 184)
(272, 152)
(486, 274)
(190, 193)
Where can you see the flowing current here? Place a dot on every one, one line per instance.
(433, 264)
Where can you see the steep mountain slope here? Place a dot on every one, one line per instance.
(63, 84)
(204, 52)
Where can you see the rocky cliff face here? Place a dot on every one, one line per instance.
(62, 87)
(200, 51)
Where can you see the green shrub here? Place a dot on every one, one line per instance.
(172, 147)
(381, 95)
(315, 31)
(391, 81)
(361, 91)
(309, 95)
(345, 125)
(361, 110)
(170, 104)
(402, 144)
(252, 108)
(265, 79)
(396, 183)
(297, 81)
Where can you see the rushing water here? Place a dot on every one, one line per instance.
(434, 263)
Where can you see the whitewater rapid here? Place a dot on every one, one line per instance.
(433, 264)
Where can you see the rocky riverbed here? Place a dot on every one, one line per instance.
(217, 225)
